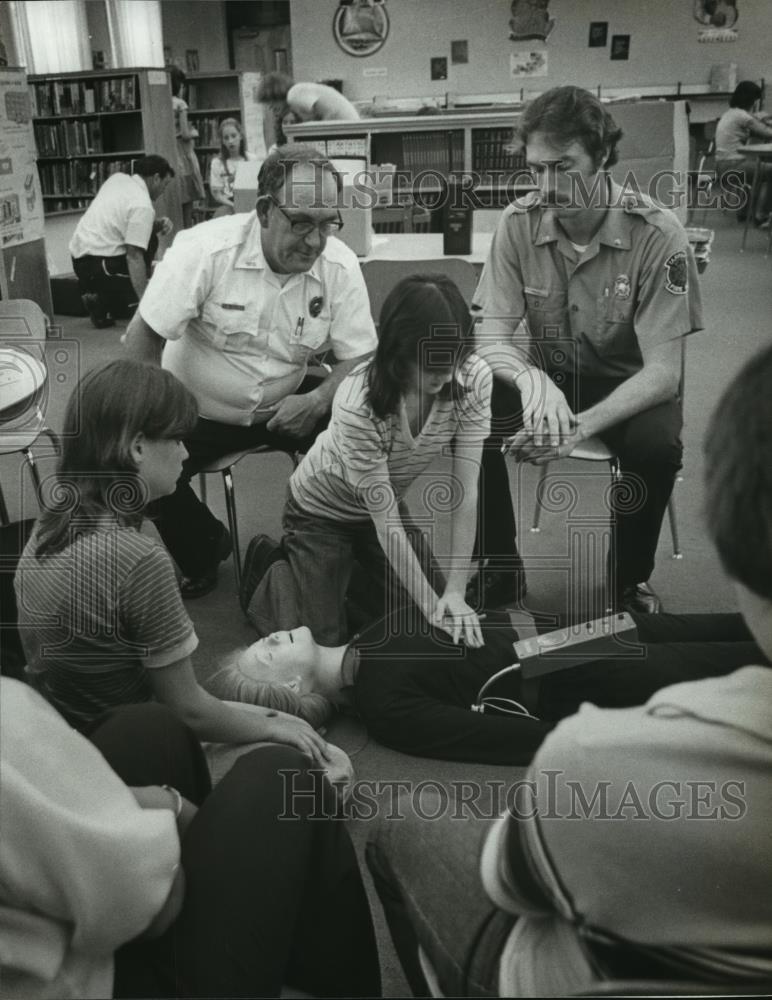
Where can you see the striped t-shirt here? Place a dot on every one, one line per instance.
(358, 448)
(96, 616)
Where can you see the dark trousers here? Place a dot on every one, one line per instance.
(189, 529)
(108, 279)
(649, 448)
(273, 895)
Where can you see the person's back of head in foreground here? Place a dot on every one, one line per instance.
(738, 480)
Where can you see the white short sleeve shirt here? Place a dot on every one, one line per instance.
(238, 337)
(121, 215)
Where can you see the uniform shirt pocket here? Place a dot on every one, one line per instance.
(614, 326)
(546, 310)
(231, 327)
(312, 339)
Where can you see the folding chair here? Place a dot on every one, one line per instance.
(23, 386)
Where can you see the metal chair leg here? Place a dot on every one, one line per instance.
(671, 515)
(202, 487)
(233, 526)
(539, 494)
(35, 473)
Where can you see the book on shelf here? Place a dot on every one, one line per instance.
(78, 177)
(492, 150)
(55, 98)
(68, 138)
(439, 151)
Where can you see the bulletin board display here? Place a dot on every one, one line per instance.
(21, 201)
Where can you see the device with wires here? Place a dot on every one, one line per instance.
(497, 703)
(561, 649)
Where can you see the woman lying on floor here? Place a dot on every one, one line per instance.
(167, 888)
(414, 688)
(100, 613)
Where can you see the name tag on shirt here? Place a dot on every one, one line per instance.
(232, 305)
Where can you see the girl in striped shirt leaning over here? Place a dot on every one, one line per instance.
(100, 612)
(423, 394)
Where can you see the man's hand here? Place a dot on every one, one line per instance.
(164, 225)
(297, 416)
(547, 416)
(524, 447)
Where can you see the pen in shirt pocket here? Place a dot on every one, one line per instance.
(299, 328)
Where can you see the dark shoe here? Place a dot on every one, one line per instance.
(495, 588)
(197, 586)
(262, 551)
(99, 317)
(639, 598)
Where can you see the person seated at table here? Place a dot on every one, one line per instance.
(424, 393)
(222, 169)
(638, 844)
(738, 126)
(166, 888)
(101, 619)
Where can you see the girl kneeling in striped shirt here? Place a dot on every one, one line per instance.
(424, 394)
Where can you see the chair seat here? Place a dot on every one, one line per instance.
(234, 457)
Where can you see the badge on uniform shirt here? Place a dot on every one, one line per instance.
(676, 273)
(622, 286)
(315, 306)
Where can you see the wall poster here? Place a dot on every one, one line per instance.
(528, 64)
(21, 200)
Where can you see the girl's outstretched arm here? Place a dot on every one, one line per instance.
(231, 722)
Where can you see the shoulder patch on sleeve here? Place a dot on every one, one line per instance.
(677, 273)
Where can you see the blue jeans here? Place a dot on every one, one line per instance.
(322, 555)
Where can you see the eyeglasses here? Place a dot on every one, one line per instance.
(304, 227)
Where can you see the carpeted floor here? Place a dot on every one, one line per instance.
(737, 294)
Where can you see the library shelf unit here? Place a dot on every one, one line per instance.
(88, 125)
(430, 150)
(427, 150)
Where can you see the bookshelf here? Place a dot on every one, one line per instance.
(227, 94)
(92, 124)
(429, 150)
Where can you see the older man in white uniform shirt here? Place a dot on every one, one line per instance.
(242, 303)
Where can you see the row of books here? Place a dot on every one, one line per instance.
(208, 130)
(82, 97)
(440, 151)
(340, 147)
(491, 150)
(69, 138)
(78, 177)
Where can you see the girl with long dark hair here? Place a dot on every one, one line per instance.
(424, 394)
